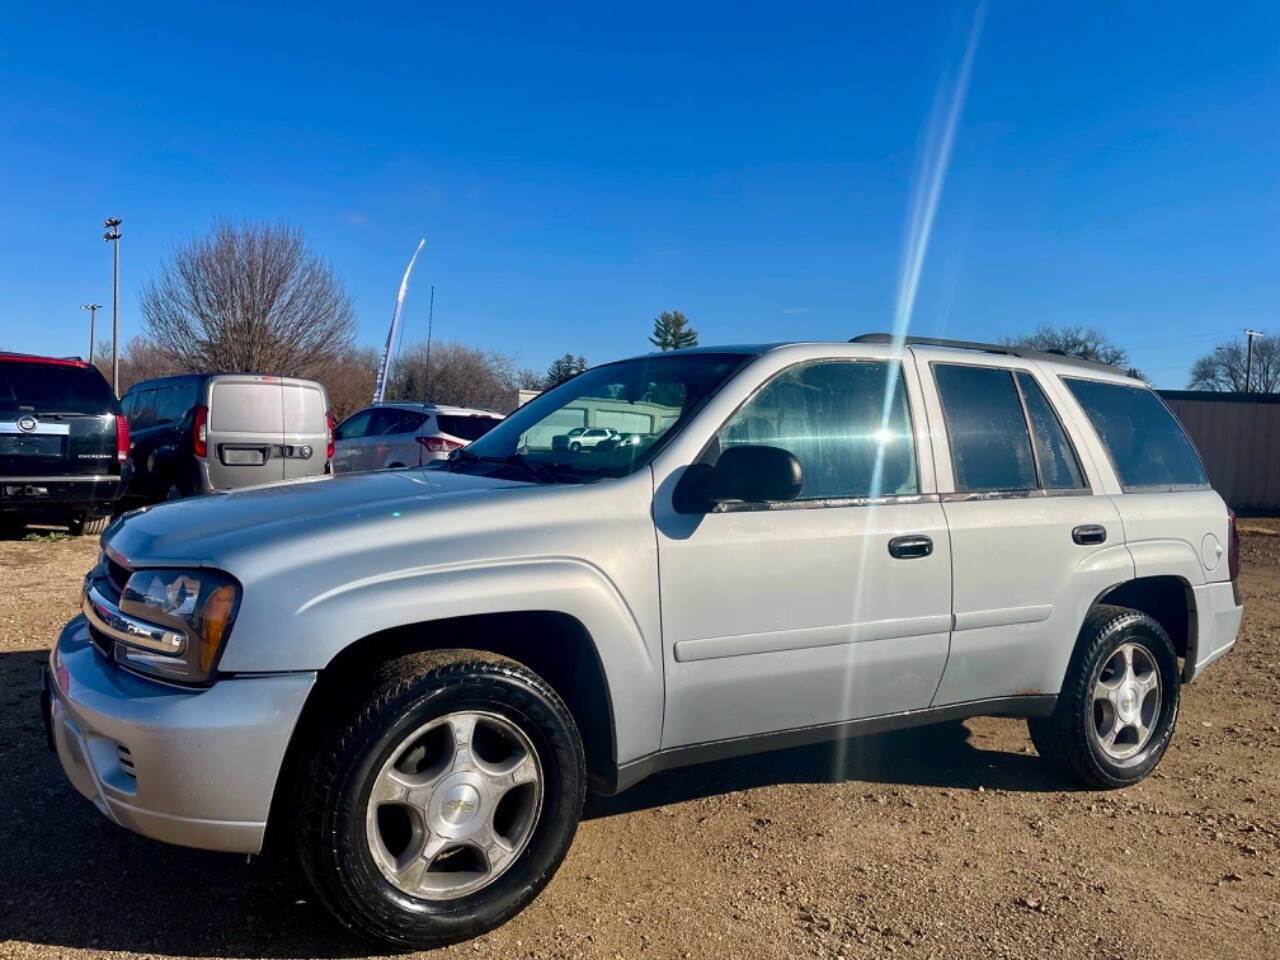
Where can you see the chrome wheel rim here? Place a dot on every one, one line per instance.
(1126, 702)
(454, 805)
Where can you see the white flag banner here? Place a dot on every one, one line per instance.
(379, 387)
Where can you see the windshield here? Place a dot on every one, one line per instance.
(605, 422)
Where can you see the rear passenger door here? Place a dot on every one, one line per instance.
(1034, 539)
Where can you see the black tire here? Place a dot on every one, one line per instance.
(335, 786)
(1067, 739)
(86, 526)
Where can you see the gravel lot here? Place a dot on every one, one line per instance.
(952, 841)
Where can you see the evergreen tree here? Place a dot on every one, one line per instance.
(671, 331)
(562, 368)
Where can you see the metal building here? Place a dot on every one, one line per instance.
(1238, 435)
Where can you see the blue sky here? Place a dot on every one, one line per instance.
(578, 168)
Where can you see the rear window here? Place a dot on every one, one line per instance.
(48, 388)
(304, 409)
(1148, 447)
(246, 407)
(466, 427)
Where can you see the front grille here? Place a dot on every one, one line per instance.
(117, 574)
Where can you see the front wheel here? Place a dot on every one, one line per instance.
(445, 804)
(575, 446)
(1119, 701)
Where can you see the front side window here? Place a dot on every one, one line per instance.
(649, 397)
(846, 421)
(1148, 447)
(990, 446)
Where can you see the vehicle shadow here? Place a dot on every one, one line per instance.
(71, 879)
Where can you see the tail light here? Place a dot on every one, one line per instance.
(329, 424)
(200, 431)
(1233, 546)
(439, 444)
(122, 438)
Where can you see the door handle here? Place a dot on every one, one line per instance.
(911, 546)
(1088, 533)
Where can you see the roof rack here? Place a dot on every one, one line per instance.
(1052, 356)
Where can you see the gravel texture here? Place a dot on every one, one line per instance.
(950, 841)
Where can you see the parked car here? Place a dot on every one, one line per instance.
(420, 672)
(201, 432)
(394, 435)
(64, 445)
(583, 438)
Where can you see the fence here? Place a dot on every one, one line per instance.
(1238, 435)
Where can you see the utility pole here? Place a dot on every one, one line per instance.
(93, 309)
(112, 236)
(1248, 363)
(431, 313)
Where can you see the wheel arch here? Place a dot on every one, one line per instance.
(553, 644)
(1167, 598)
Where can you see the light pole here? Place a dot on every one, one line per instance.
(1248, 363)
(93, 309)
(112, 236)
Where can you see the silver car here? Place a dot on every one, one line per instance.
(391, 435)
(419, 672)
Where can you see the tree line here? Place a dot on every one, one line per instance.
(254, 297)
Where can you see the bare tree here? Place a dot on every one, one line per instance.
(249, 298)
(1223, 368)
(1088, 343)
(454, 374)
(349, 380)
(140, 359)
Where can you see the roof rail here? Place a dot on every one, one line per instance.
(1052, 356)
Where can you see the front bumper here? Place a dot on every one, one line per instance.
(195, 767)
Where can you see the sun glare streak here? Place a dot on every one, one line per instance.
(940, 135)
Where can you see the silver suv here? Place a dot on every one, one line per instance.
(418, 673)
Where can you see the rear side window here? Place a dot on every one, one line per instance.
(1055, 459)
(466, 427)
(1148, 447)
(173, 400)
(48, 388)
(390, 421)
(832, 415)
(990, 446)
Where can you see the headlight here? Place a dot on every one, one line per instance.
(196, 609)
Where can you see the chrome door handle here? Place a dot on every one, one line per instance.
(1088, 533)
(911, 546)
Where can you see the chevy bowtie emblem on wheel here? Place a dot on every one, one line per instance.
(458, 808)
(27, 424)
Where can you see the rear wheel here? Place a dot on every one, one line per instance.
(84, 525)
(1119, 701)
(445, 803)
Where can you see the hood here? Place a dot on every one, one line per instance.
(200, 529)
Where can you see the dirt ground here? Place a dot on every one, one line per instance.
(951, 841)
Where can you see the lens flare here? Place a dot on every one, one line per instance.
(940, 135)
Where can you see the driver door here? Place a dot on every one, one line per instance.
(808, 612)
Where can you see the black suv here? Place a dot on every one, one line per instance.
(64, 444)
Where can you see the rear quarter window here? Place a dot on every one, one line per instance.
(1147, 446)
(466, 427)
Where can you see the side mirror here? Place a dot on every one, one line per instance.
(754, 474)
